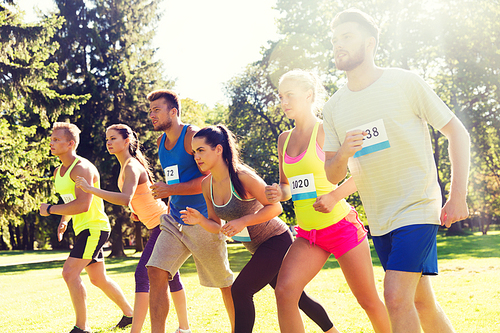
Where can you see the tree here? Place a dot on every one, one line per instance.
(27, 106)
(453, 44)
(106, 52)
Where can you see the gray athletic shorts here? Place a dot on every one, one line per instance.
(177, 242)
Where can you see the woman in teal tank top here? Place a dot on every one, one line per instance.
(236, 194)
(327, 224)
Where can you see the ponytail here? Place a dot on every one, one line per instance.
(221, 135)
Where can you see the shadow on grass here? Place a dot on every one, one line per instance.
(13, 253)
(32, 266)
(449, 247)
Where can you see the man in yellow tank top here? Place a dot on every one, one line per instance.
(90, 223)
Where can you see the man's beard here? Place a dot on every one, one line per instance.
(354, 61)
(165, 126)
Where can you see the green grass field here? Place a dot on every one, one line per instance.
(34, 297)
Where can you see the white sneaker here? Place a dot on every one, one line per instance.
(180, 330)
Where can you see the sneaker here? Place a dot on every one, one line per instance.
(77, 329)
(124, 322)
(180, 330)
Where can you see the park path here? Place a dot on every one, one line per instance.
(33, 261)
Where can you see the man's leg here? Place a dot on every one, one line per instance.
(159, 301)
(399, 293)
(71, 274)
(432, 317)
(99, 278)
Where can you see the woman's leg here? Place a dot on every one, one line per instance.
(141, 305)
(257, 273)
(356, 264)
(179, 300)
(301, 264)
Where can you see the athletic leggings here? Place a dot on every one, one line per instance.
(261, 270)
(141, 272)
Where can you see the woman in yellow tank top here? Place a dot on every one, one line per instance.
(134, 182)
(327, 223)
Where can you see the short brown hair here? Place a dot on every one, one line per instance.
(355, 15)
(170, 97)
(71, 131)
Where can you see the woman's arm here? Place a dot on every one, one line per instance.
(192, 216)
(255, 187)
(279, 192)
(132, 174)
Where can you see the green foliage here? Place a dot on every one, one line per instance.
(453, 44)
(106, 52)
(27, 107)
(193, 112)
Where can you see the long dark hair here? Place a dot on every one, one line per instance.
(134, 146)
(220, 135)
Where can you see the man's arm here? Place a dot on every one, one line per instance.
(336, 162)
(160, 190)
(82, 202)
(455, 208)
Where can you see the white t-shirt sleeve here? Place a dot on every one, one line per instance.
(332, 141)
(426, 104)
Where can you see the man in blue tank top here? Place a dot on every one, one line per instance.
(177, 240)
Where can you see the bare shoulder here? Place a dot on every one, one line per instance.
(190, 132)
(84, 168)
(56, 170)
(158, 141)
(247, 175)
(205, 184)
(282, 138)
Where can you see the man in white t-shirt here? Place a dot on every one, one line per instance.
(377, 126)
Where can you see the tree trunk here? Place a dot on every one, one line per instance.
(18, 238)
(455, 229)
(33, 219)
(117, 248)
(139, 245)
(25, 234)
(12, 234)
(3, 245)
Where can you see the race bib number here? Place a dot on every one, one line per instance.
(375, 140)
(302, 187)
(67, 197)
(242, 236)
(172, 174)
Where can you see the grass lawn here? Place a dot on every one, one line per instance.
(34, 297)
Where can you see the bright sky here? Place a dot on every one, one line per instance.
(203, 44)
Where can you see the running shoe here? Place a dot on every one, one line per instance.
(124, 322)
(77, 329)
(180, 330)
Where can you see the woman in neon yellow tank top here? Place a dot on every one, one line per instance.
(327, 223)
(134, 182)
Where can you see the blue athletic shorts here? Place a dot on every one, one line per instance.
(409, 249)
